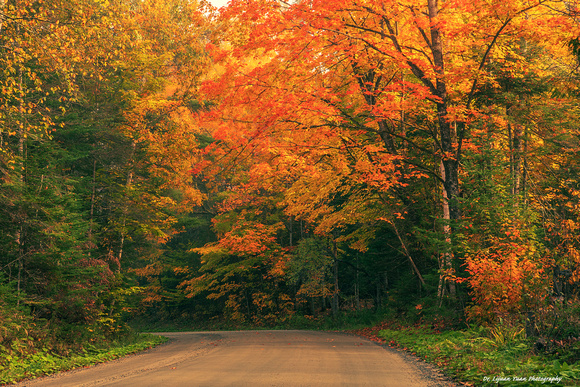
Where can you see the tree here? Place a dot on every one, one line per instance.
(314, 88)
(88, 87)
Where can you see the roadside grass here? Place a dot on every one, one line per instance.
(499, 356)
(15, 368)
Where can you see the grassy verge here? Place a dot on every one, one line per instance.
(45, 363)
(489, 357)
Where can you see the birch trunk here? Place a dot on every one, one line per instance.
(446, 259)
(128, 184)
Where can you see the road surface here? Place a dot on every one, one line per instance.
(255, 358)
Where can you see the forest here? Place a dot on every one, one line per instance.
(162, 160)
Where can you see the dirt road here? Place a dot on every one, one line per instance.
(255, 358)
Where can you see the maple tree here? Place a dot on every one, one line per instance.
(345, 108)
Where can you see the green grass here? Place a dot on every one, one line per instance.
(14, 368)
(489, 357)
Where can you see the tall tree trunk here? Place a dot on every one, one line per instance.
(128, 184)
(516, 152)
(450, 147)
(447, 134)
(92, 211)
(450, 144)
(407, 254)
(20, 245)
(446, 258)
(357, 287)
(524, 179)
(517, 140)
(291, 231)
(387, 137)
(378, 293)
(2, 4)
(21, 215)
(335, 277)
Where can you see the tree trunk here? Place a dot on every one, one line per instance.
(449, 146)
(378, 294)
(291, 231)
(387, 137)
(408, 255)
(357, 288)
(92, 211)
(524, 179)
(446, 259)
(20, 244)
(128, 184)
(335, 275)
(19, 237)
(2, 4)
(516, 151)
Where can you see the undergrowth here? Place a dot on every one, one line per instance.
(345, 320)
(498, 356)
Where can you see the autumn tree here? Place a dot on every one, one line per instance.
(363, 100)
(87, 185)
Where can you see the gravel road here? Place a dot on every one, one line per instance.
(257, 358)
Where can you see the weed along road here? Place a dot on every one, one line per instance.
(254, 358)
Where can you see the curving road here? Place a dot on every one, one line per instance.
(255, 358)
